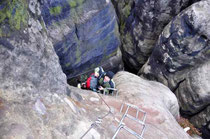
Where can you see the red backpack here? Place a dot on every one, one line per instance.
(88, 81)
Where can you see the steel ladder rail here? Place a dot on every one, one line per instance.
(122, 125)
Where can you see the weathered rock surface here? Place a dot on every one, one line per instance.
(141, 22)
(27, 59)
(33, 100)
(32, 111)
(156, 99)
(30, 77)
(84, 34)
(180, 60)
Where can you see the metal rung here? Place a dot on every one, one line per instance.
(137, 114)
(121, 108)
(135, 107)
(144, 118)
(117, 131)
(132, 132)
(133, 118)
(112, 89)
(142, 133)
(126, 114)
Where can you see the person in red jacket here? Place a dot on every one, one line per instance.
(92, 81)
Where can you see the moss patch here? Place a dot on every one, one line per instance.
(75, 3)
(14, 13)
(122, 27)
(111, 55)
(72, 3)
(55, 10)
(127, 10)
(78, 55)
(67, 64)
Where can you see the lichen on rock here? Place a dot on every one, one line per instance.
(13, 16)
(180, 60)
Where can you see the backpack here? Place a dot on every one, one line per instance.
(92, 82)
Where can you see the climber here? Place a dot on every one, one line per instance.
(100, 71)
(106, 83)
(92, 81)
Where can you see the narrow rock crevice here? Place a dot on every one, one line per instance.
(177, 85)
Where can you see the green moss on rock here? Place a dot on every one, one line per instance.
(127, 10)
(55, 10)
(78, 55)
(111, 55)
(15, 14)
(72, 3)
(67, 64)
(75, 3)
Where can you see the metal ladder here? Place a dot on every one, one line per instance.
(122, 125)
(113, 90)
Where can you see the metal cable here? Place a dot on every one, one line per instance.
(121, 124)
(99, 119)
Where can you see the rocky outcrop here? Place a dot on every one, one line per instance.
(33, 101)
(141, 22)
(161, 111)
(28, 61)
(154, 98)
(33, 89)
(180, 60)
(84, 34)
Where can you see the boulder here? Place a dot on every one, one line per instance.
(31, 110)
(180, 60)
(33, 101)
(141, 22)
(27, 59)
(159, 103)
(156, 100)
(84, 34)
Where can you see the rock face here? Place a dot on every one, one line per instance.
(31, 77)
(141, 22)
(161, 111)
(156, 99)
(33, 100)
(180, 60)
(84, 34)
(33, 103)
(27, 59)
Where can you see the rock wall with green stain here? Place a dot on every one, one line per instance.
(123, 8)
(74, 3)
(94, 39)
(55, 10)
(13, 16)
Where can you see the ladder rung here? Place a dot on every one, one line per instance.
(142, 132)
(144, 118)
(137, 114)
(113, 89)
(132, 132)
(121, 108)
(135, 107)
(117, 131)
(133, 118)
